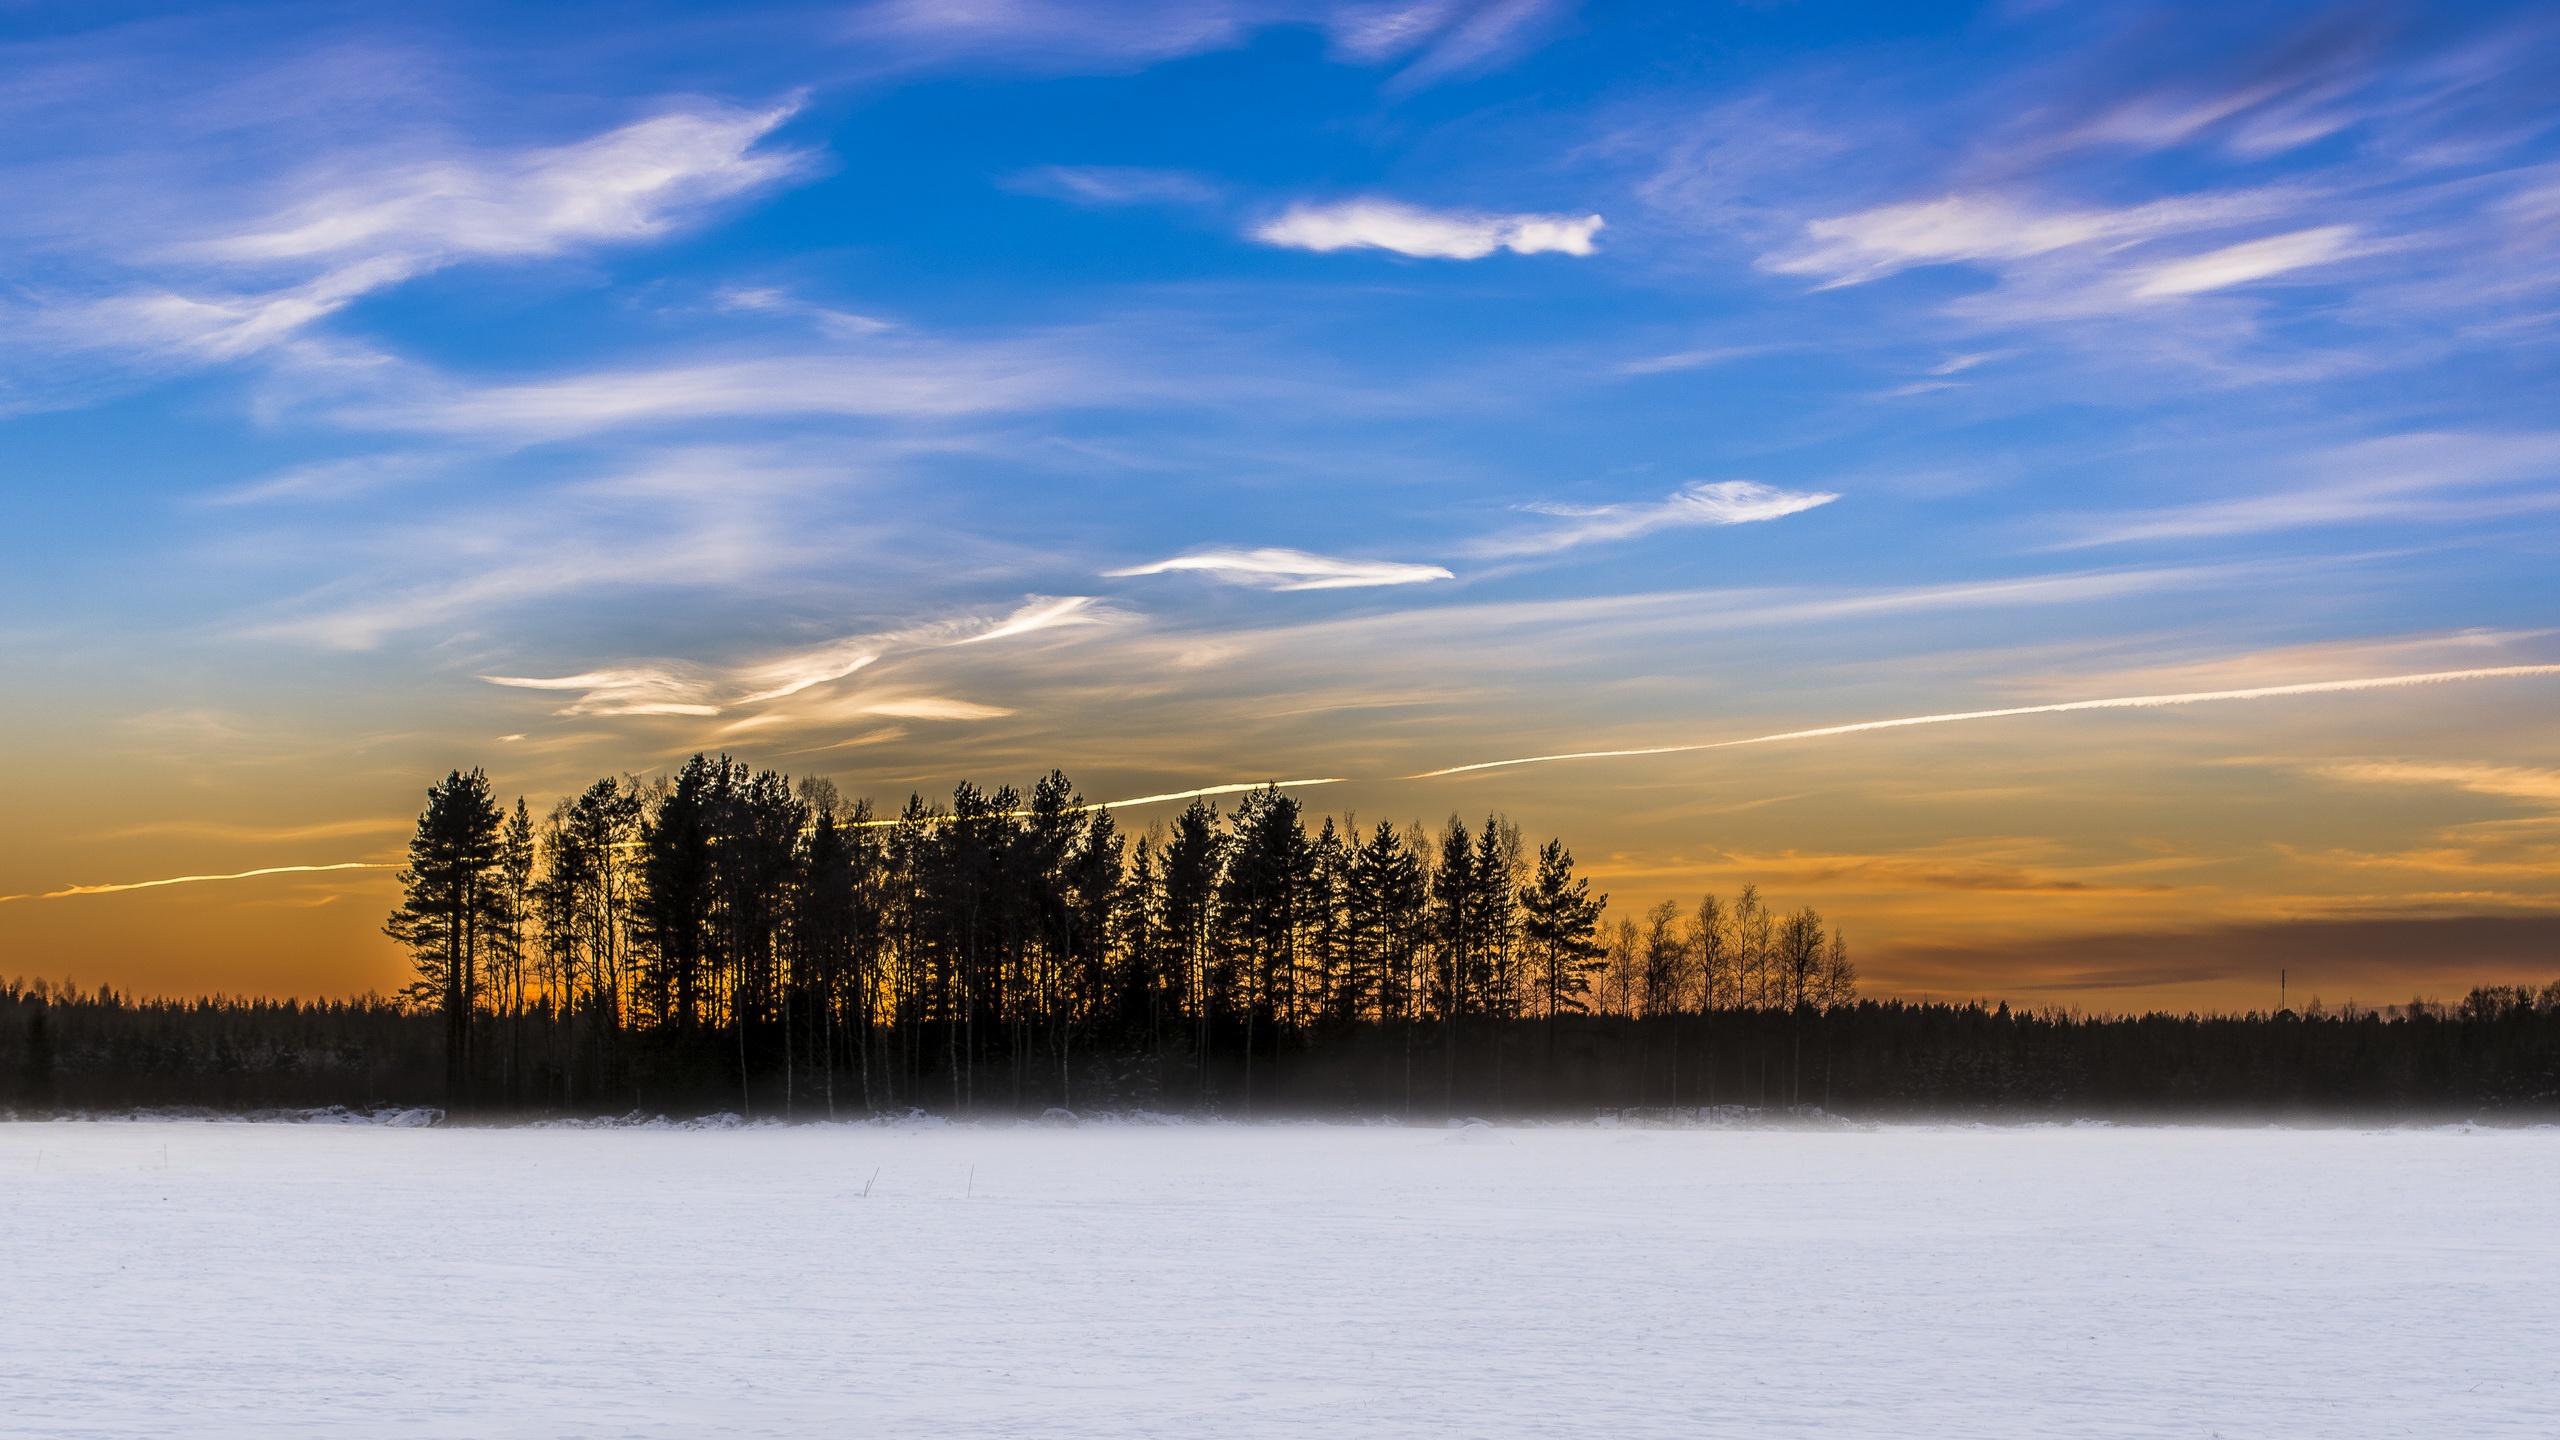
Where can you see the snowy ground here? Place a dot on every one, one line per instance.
(169, 1278)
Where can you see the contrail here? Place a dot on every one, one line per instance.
(2120, 702)
(1211, 790)
(1144, 799)
(191, 879)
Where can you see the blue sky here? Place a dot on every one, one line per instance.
(1186, 394)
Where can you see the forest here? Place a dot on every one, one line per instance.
(728, 939)
(728, 929)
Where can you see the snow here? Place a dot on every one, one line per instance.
(1309, 1281)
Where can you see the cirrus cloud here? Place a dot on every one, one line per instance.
(2249, 260)
(1717, 502)
(1955, 229)
(669, 687)
(358, 228)
(1278, 569)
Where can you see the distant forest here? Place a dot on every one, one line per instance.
(728, 939)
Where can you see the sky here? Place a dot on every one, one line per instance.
(1186, 395)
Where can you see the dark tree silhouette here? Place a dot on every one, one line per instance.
(454, 914)
(1559, 923)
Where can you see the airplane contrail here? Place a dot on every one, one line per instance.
(1212, 790)
(191, 879)
(2120, 702)
(1150, 799)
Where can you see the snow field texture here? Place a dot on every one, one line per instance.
(286, 1280)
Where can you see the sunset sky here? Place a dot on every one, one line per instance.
(1195, 394)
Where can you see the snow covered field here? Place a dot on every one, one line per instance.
(195, 1279)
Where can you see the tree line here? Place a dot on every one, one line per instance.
(724, 938)
(1019, 950)
(65, 1049)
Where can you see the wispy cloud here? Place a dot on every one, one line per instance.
(640, 690)
(1868, 245)
(1113, 185)
(1276, 569)
(1445, 38)
(771, 300)
(633, 183)
(1690, 359)
(349, 235)
(662, 687)
(2517, 782)
(2056, 181)
(932, 707)
(1056, 35)
(2416, 478)
(1426, 234)
(2249, 260)
(1045, 614)
(1719, 502)
(913, 380)
(1433, 40)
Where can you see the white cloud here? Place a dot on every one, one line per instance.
(792, 674)
(1045, 613)
(1276, 569)
(932, 707)
(666, 687)
(627, 184)
(1430, 234)
(1444, 37)
(1369, 34)
(766, 300)
(1452, 37)
(349, 238)
(1720, 502)
(639, 690)
(2249, 260)
(1871, 244)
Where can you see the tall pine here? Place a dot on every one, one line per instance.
(454, 910)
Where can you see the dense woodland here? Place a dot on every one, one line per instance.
(726, 939)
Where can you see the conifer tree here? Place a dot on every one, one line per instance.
(453, 909)
(1559, 921)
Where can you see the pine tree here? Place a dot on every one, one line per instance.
(1559, 921)
(1191, 859)
(678, 898)
(1263, 899)
(516, 862)
(1454, 910)
(453, 910)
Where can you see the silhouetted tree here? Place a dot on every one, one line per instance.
(454, 908)
(1558, 922)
